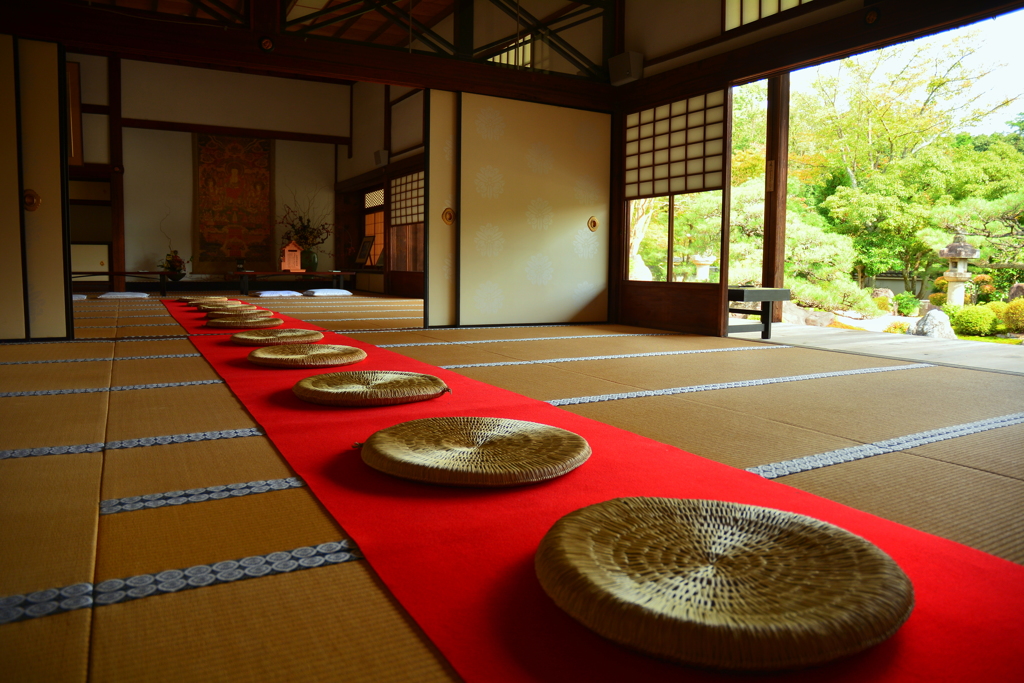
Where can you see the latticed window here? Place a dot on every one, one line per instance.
(675, 173)
(406, 231)
(678, 147)
(736, 13)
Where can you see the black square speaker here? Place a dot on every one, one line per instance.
(625, 68)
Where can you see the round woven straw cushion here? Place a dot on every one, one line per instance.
(475, 451)
(197, 299)
(245, 312)
(370, 388)
(224, 306)
(243, 322)
(306, 355)
(721, 584)
(288, 335)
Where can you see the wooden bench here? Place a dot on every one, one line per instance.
(766, 296)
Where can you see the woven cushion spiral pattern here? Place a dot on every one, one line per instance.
(475, 451)
(242, 322)
(370, 388)
(240, 311)
(288, 335)
(306, 355)
(720, 584)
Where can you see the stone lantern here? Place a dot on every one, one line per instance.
(958, 253)
(703, 263)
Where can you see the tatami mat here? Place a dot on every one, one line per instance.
(13, 353)
(325, 624)
(151, 371)
(731, 437)
(52, 649)
(977, 508)
(48, 376)
(183, 466)
(177, 537)
(65, 420)
(49, 506)
(174, 410)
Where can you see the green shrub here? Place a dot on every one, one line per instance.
(938, 299)
(897, 328)
(839, 295)
(975, 321)
(1014, 315)
(907, 303)
(999, 308)
(883, 303)
(985, 290)
(940, 284)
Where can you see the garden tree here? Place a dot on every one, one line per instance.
(981, 143)
(642, 212)
(749, 131)
(899, 219)
(1000, 222)
(884, 106)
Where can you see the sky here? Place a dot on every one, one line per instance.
(1000, 45)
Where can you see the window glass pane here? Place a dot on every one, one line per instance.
(697, 237)
(648, 239)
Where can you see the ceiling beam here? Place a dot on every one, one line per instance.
(85, 29)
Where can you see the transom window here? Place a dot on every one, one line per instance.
(678, 147)
(736, 13)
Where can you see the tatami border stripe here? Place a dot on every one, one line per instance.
(901, 443)
(524, 339)
(347, 320)
(100, 390)
(729, 385)
(88, 360)
(199, 495)
(113, 591)
(132, 443)
(612, 357)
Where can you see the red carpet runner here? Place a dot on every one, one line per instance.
(461, 561)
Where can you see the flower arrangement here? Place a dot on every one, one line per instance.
(308, 226)
(173, 263)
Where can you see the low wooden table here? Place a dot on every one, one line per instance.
(767, 296)
(162, 275)
(336, 277)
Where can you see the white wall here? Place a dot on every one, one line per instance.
(367, 130)
(157, 195)
(165, 92)
(304, 175)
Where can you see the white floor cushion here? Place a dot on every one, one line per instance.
(327, 292)
(78, 297)
(276, 292)
(123, 295)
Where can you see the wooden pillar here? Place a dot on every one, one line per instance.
(776, 173)
(116, 172)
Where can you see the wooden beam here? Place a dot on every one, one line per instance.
(236, 132)
(81, 28)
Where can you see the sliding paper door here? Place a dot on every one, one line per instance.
(533, 239)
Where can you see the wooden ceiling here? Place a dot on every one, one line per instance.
(230, 12)
(380, 22)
